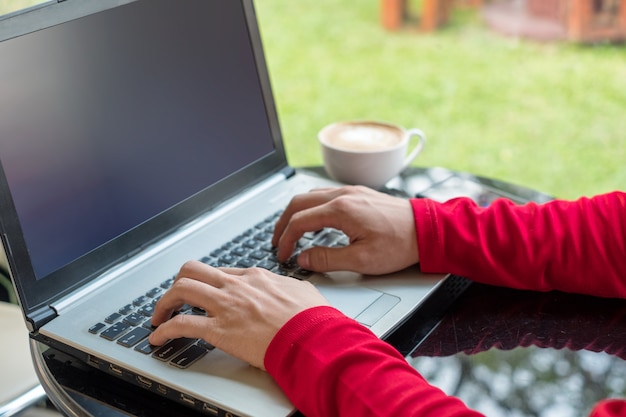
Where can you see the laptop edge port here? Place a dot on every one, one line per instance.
(210, 409)
(144, 381)
(116, 369)
(187, 399)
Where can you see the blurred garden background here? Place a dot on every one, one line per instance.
(547, 115)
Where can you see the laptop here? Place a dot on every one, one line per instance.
(134, 136)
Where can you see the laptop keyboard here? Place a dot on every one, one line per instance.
(130, 325)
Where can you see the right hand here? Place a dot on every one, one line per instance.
(381, 229)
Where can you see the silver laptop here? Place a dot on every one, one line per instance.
(134, 136)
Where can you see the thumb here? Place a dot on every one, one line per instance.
(325, 259)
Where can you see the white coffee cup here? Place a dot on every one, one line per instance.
(368, 153)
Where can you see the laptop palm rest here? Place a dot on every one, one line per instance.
(365, 305)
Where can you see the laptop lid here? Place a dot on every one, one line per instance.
(96, 109)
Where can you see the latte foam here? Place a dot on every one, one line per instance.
(362, 136)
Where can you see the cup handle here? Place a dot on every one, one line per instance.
(418, 148)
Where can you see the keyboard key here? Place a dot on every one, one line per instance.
(272, 218)
(228, 246)
(239, 251)
(302, 274)
(148, 325)
(251, 244)
(278, 270)
(115, 331)
(209, 260)
(133, 337)
(197, 311)
(147, 310)
(134, 319)
(261, 225)
(155, 292)
(240, 238)
(327, 238)
(267, 247)
(184, 308)
(188, 356)
(113, 318)
(290, 265)
(145, 347)
(263, 237)
(246, 263)
(228, 259)
(167, 283)
(171, 348)
(139, 301)
(205, 344)
(258, 254)
(127, 309)
(303, 243)
(269, 265)
(97, 327)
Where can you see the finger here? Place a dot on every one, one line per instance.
(185, 291)
(309, 220)
(184, 325)
(202, 272)
(297, 204)
(323, 259)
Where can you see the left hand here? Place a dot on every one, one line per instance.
(245, 308)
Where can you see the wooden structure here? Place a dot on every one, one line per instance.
(433, 14)
(596, 20)
(584, 20)
(578, 20)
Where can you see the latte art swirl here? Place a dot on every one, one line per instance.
(363, 137)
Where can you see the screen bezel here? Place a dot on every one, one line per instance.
(35, 294)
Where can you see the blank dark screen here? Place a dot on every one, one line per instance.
(111, 119)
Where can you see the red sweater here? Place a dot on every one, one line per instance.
(344, 370)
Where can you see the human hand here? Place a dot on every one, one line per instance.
(380, 227)
(245, 308)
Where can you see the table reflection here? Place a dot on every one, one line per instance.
(521, 353)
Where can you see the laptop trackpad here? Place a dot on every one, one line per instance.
(365, 305)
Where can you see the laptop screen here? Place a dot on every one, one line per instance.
(112, 119)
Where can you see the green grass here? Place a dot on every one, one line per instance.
(547, 116)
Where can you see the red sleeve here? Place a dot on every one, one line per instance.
(577, 246)
(329, 365)
(609, 408)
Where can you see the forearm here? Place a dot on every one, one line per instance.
(575, 246)
(344, 370)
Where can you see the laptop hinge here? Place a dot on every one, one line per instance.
(288, 172)
(39, 317)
